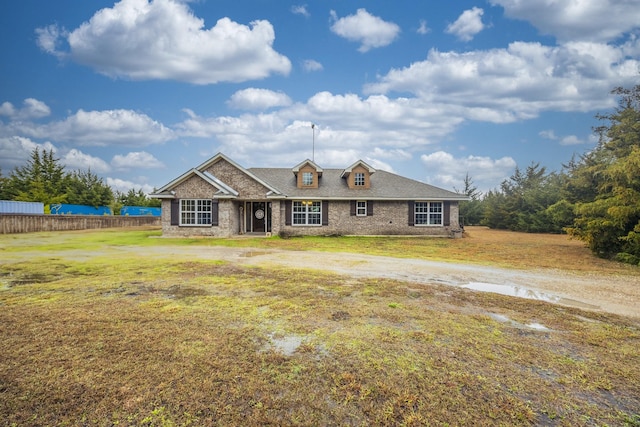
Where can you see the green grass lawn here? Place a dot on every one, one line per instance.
(140, 340)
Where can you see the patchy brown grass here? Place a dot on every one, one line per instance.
(133, 341)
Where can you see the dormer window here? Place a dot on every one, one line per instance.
(307, 178)
(358, 175)
(307, 174)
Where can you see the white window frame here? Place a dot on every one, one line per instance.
(359, 179)
(361, 208)
(307, 178)
(427, 214)
(196, 212)
(306, 213)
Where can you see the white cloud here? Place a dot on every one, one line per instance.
(602, 20)
(565, 140)
(446, 171)
(504, 85)
(124, 186)
(16, 151)
(300, 10)
(423, 29)
(467, 25)
(375, 128)
(311, 65)
(371, 31)
(571, 140)
(48, 39)
(258, 99)
(32, 109)
(163, 40)
(548, 134)
(108, 127)
(75, 159)
(355, 122)
(136, 160)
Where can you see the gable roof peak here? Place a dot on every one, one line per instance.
(299, 166)
(362, 163)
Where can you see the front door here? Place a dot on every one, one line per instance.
(258, 217)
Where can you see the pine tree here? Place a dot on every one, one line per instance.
(608, 179)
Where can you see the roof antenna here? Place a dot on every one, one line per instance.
(313, 152)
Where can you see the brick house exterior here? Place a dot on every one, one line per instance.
(220, 198)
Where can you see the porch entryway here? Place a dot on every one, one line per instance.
(257, 217)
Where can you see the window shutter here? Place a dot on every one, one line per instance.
(412, 218)
(325, 213)
(214, 212)
(287, 212)
(353, 207)
(446, 212)
(369, 208)
(175, 212)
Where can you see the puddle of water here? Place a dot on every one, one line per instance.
(504, 319)
(537, 327)
(249, 254)
(522, 292)
(286, 345)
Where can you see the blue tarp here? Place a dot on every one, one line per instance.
(10, 206)
(140, 211)
(66, 209)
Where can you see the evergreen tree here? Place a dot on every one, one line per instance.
(523, 202)
(607, 206)
(40, 180)
(86, 188)
(471, 210)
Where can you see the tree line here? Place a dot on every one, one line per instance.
(595, 197)
(43, 179)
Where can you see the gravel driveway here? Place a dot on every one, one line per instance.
(612, 294)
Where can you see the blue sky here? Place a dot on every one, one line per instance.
(140, 91)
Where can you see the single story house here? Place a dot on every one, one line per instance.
(220, 198)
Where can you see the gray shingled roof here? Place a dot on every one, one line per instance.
(384, 185)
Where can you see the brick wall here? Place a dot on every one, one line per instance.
(389, 218)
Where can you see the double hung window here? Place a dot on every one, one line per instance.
(358, 179)
(307, 178)
(428, 213)
(361, 208)
(307, 213)
(195, 212)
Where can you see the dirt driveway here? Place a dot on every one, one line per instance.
(612, 294)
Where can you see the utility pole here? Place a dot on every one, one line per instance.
(313, 152)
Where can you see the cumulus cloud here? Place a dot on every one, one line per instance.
(136, 160)
(258, 99)
(107, 127)
(32, 109)
(423, 29)
(311, 65)
(16, 150)
(565, 140)
(371, 31)
(504, 85)
(548, 134)
(585, 20)
(374, 127)
(163, 40)
(445, 170)
(300, 10)
(124, 186)
(75, 159)
(467, 25)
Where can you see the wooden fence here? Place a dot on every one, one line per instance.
(27, 223)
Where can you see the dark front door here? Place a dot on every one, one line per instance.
(258, 217)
